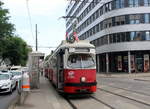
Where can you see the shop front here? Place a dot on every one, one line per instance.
(130, 62)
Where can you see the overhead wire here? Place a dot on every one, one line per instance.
(29, 15)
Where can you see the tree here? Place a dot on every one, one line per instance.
(6, 28)
(12, 48)
(16, 50)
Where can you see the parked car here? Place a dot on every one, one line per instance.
(25, 70)
(15, 68)
(17, 74)
(7, 82)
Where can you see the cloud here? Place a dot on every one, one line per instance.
(37, 7)
(45, 13)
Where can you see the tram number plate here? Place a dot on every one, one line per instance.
(83, 90)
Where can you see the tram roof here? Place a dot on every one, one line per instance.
(81, 43)
(65, 44)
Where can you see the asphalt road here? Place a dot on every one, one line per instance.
(6, 99)
(128, 83)
(117, 93)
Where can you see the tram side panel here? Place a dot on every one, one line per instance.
(81, 80)
(53, 71)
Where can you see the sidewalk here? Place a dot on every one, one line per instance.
(135, 76)
(123, 75)
(44, 98)
(47, 98)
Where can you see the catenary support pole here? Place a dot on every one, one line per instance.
(107, 63)
(36, 37)
(129, 62)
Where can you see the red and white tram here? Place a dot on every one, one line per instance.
(73, 67)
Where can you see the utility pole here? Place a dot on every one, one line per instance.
(36, 38)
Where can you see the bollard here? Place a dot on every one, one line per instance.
(23, 88)
(25, 82)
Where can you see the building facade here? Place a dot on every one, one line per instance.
(120, 30)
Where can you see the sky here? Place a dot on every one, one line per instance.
(44, 13)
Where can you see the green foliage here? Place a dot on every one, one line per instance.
(16, 50)
(11, 47)
(6, 28)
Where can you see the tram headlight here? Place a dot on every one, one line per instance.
(83, 79)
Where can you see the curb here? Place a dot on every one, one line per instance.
(124, 75)
(20, 99)
(14, 103)
(142, 80)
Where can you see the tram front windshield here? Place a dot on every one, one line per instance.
(80, 61)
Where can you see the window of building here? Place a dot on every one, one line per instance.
(146, 18)
(90, 32)
(134, 19)
(97, 28)
(138, 36)
(94, 30)
(117, 4)
(97, 14)
(120, 20)
(118, 37)
(146, 2)
(101, 26)
(122, 4)
(136, 2)
(147, 35)
(110, 38)
(122, 37)
(103, 8)
(107, 7)
(114, 38)
(110, 6)
(101, 11)
(93, 17)
(127, 36)
(105, 24)
(131, 3)
(132, 35)
(87, 34)
(90, 20)
(99, 41)
(109, 21)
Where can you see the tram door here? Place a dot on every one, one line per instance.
(60, 76)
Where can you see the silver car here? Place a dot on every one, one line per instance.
(7, 83)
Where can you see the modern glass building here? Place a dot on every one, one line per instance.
(120, 30)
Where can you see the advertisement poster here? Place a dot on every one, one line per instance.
(146, 63)
(132, 63)
(119, 63)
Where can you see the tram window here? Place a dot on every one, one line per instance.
(80, 61)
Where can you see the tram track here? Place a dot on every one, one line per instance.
(106, 104)
(123, 96)
(127, 90)
(71, 103)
